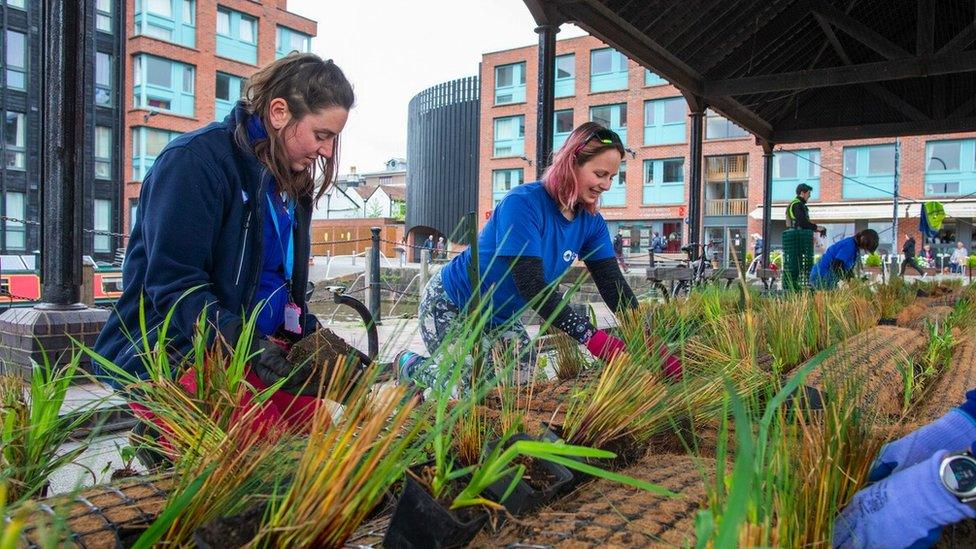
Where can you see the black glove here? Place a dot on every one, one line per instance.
(271, 364)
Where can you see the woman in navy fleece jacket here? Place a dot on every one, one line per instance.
(224, 217)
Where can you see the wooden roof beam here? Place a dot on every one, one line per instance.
(861, 32)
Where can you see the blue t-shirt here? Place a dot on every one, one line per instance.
(273, 285)
(845, 251)
(527, 222)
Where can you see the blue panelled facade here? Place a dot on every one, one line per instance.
(237, 36)
(510, 84)
(652, 79)
(561, 128)
(163, 84)
(950, 167)
(664, 121)
(613, 117)
(791, 168)
(565, 83)
(616, 195)
(147, 143)
(503, 181)
(227, 92)
(664, 181)
(170, 20)
(289, 40)
(869, 171)
(509, 136)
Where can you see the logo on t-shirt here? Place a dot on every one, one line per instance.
(569, 256)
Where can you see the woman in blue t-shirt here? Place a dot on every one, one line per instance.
(534, 235)
(839, 259)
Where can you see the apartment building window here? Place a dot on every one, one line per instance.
(503, 181)
(616, 195)
(869, 171)
(664, 121)
(147, 143)
(565, 84)
(613, 117)
(103, 79)
(950, 167)
(237, 35)
(15, 234)
(790, 168)
(727, 184)
(510, 136)
(228, 90)
(16, 57)
(162, 84)
(664, 181)
(719, 127)
(652, 79)
(103, 15)
(510, 84)
(15, 139)
(103, 152)
(133, 213)
(289, 40)
(170, 20)
(608, 70)
(102, 243)
(562, 126)
(16, 3)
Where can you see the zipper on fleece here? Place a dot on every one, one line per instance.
(240, 264)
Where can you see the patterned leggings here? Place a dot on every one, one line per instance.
(439, 317)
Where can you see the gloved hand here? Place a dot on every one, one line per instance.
(954, 432)
(270, 363)
(604, 346)
(670, 364)
(909, 508)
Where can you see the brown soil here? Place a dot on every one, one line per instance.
(936, 313)
(949, 388)
(910, 313)
(868, 363)
(537, 476)
(958, 535)
(322, 348)
(605, 514)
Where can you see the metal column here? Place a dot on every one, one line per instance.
(546, 96)
(697, 117)
(767, 199)
(67, 78)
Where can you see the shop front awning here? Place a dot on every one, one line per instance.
(871, 211)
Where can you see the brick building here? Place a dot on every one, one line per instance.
(185, 64)
(853, 181)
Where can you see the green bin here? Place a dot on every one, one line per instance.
(797, 258)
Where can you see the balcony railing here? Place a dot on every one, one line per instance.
(731, 206)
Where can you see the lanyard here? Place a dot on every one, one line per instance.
(289, 259)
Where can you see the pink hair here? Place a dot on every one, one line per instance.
(559, 179)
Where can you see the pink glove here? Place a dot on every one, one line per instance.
(670, 365)
(604, 346)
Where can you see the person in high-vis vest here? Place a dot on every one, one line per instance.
(797, 213)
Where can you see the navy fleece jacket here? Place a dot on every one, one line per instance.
(197, 245)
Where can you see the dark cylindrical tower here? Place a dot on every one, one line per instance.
(442, 158)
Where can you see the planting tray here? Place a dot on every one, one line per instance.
(524, 497)
(607, 514)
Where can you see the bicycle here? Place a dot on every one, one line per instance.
(698, 267)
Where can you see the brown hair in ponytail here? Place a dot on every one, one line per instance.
(308, 84)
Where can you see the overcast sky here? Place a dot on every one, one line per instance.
(392, 49)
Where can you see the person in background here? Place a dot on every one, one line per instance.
(618, 251)
(960, 255)
(840, 258)
(658, 243)
(428, 247)
(798, 213)
(441, 248)
(909, 261)
(533, 236)
(224, 227)
(919, 483)
(928, 257)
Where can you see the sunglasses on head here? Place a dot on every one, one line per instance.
(603, 135)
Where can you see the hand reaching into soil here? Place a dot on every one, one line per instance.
(271, 365)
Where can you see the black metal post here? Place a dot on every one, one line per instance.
(697, 117)
(546, 96)
(767, 199)
(374, 275)
(67, 72)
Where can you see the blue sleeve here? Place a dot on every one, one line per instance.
(182, 207)
(597, 245)
(518, 228)
(847, 254)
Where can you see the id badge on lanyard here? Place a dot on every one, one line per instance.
(293, 312)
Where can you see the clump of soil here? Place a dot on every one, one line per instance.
(910, 313)
(536, 475)
(230, 532)
(604, 513)
(869, 363)
(323, 350)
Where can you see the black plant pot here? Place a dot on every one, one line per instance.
(230, 532)
(887, 322)
(524, 497)
(421, 522)
(627, 453)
